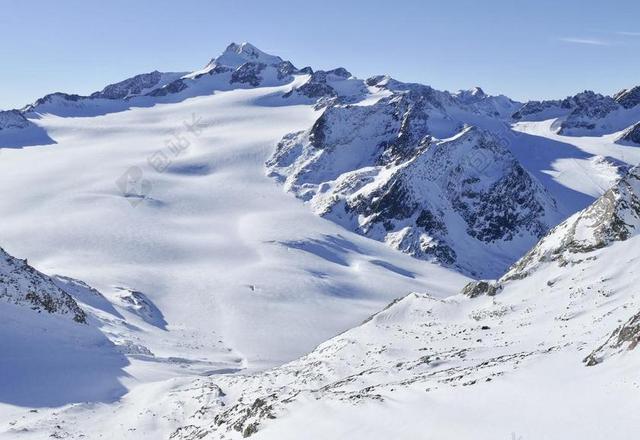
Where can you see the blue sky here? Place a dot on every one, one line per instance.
(524, 49)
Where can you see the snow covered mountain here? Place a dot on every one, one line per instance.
(240, 65)
(380, 170)
(206, 285)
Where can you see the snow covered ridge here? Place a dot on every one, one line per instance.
(124, 91)
(138, 85)
(407, 171)
(12, 120)
(22, 285)
(129, 88)
(586, 113)
(245, 66)
(239, 66)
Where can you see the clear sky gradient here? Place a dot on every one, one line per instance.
(524, 49)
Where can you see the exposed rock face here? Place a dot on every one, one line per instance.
(624, 338)
(22, 285)
(586, 103)
(380, 170)
(248, 73)
(632, 134)
(240, 64)
(130, 87)
(173, 87)
(477, 288)
(628, 98)
(143, 84)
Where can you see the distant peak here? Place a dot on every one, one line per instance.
(244, 48)
(473, 94)
(237, 54)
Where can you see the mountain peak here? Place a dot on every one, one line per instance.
(237, 54)
(471, 95)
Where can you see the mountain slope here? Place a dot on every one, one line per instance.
(423, 362)
(53, 352)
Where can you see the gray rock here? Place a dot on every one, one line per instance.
(631, 135)
(477, 288)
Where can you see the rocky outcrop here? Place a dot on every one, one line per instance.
(137, 85)
(624, 338)
(248, 73)
(628, 98)
(173, 87)
(22, 285)
(477, 288)
(631, 135)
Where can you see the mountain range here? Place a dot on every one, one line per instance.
(279, 252)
